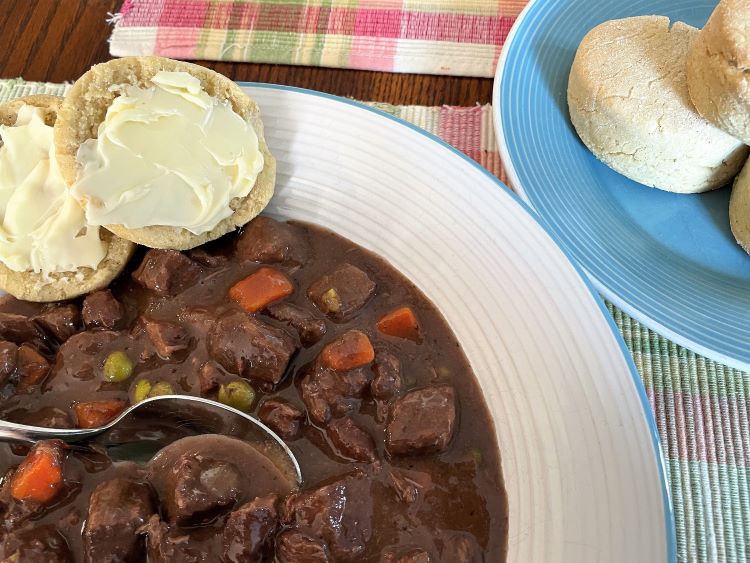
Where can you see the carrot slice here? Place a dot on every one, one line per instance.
(260, 288)
(349, 351)
(39, 478)
(97, 413)
(401, 323)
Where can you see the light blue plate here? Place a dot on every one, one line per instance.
(668, 260)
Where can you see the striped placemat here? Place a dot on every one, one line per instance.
(702, 408)
(457, 37)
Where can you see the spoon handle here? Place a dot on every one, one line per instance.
(11, 431)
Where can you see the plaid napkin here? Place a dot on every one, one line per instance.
(702, 408)
(456, 37)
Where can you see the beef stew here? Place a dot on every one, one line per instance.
(321, 340)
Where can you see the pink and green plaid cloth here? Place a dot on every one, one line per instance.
(456, 37)
(702, 408)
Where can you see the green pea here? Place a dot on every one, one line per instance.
(141, 390)
(117, 367)
(161, 388)
(238, 394)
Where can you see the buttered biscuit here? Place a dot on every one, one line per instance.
(163, 153)
(47, 251)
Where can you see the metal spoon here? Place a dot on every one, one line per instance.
(144, 428)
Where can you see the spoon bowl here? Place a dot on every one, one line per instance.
(144, 428)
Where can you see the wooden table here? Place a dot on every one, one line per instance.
(58, 40)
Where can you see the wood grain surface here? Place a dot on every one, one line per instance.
(58, 40)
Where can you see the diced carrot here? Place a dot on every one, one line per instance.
(260, 288)
(97, 413)
(402, 323)
(349, 351)
(39, 478)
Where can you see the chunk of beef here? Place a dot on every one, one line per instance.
(166, 337)
(460, 547)
(81, 356)
(249, 529)
(386, 384)
(328, 393)
(117, 508)
(309, 328)
(387, 381)
(197, 317)
(89, 343)
(206, 258)
(410, 486)
(293, 546)
(18, 328)
(32, 368)
(47, 417)
(198, 488)
(269, 241)
(250, 348)
(168, 545)
(8, 360)
(209, 376)
(351, 440)
(341, 293)
(60, 323)
(416, 555)
(35, 544)
(198, 321)
(340, 513)
(167, 272)
(282, 417)
(102, 310)
(421, 421)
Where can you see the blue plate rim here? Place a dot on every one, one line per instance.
(609, 294)
(531, 212)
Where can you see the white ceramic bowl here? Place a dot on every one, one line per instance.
(580, 451)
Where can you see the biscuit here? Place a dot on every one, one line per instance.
(629, 102)
(718, 69)
(86, 105)
(34, 286)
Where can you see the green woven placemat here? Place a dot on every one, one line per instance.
(700, 406)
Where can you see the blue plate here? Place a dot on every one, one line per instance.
(668, 260)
